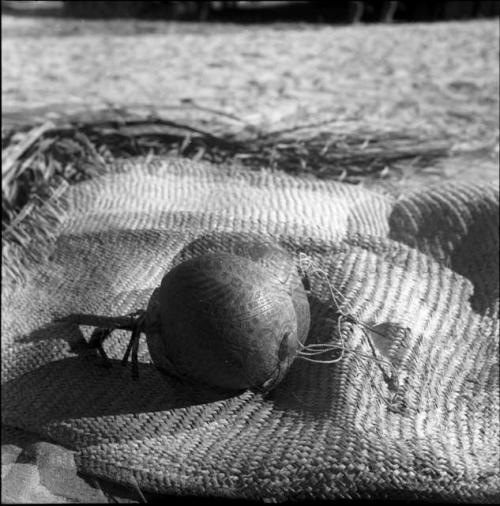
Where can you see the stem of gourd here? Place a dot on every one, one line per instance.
(126, 322)
(134, 323)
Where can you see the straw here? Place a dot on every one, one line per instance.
(79, 146)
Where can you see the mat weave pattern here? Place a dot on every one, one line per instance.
(427, 259)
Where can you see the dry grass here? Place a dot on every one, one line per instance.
(37, 158)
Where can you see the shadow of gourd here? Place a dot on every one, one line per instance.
(63, 397)
(78, 387)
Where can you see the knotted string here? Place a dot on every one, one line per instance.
(311, 351)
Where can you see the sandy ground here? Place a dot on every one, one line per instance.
(440, 78)
(396, 73)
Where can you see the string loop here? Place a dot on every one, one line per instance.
(346, 319)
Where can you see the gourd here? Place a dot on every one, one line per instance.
(233, 318)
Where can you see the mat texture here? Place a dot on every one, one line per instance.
(427, 260)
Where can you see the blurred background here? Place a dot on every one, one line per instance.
(261, 11)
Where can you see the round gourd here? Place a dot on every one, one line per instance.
(229, 321)
(231, 313)
(264, 252)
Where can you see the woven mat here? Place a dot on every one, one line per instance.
(428, 260)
